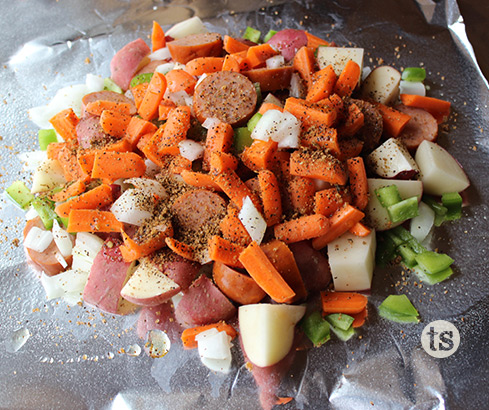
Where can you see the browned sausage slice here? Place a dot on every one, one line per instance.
(195, 45)
(197, 208)
(422, 126)
(107, 96)
(225, 95)
(45, 261)
(271, 79)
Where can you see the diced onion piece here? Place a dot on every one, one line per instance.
(178, 97)
(365, 72)
(151, 168)
(296, 87)
(215, 350)
(32, 160)
(94, 83)
(52, 286)
(133, 207)
(87, 246)
(193, 25)
(73, 280)
(275, 61)
(191, 150)
(63, 239)
(283, 128)
(270, 98)
(38, 239)
(160, 54)
(68, 284)
(421, 225)
(412, 87)
(147, 185)
(252, 220)
(210, 122)
(31, 214)
(61, 260)
(175, 300)
(165, 68)
(47, 176)
(200, 79)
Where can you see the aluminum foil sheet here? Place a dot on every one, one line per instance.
(71, 357)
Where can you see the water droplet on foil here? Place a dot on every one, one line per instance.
(158, 344)
(17, 339)
(133, 350)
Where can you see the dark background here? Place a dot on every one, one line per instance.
(476, 17)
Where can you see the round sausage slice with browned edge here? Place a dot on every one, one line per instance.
(195, 45)
(372, 127)
(45, 261)
(422, 126)
(107, 96)
(225, 95)
(196, 208)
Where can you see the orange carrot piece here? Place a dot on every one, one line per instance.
(157, 37)
(269, 106)
(235, 188)
(257, 55)
(358, 182)
(232, 45)
(348, 79)
(132, 250)
(148, 109)
(136, 128)
(283, 260)
(349, 148)
(321, 137)
(93, 220)
(311, 113)
(222, 161)
(439, 109)
(328, 201)
(264, 273)
(65, 123)
(74, 189)
(232, 229)
(353, 123)
(138, 92)
(188, 335)
(300, 192)
(259, 155)
(180, 80)
(164, 109)
(283, 400)
(315, 42)
(227, 252)
(305, 64)
(343, 302)
(68, 161)
(393, 120)
(199, 180)
(341, 221)
(175, 130)
(270, 197)
(302, 228)
(97, 107)
(110, 166)
(151, 146)
(359, 318)
(219, 138)
(322, 84)
(359, 229)
(204, 65)
(180, 248)
(179, 164)
(86, 157)
(143, 141)
(54, 149)
(320, 165)
(114, 123)
(230, 64)
(93, 199)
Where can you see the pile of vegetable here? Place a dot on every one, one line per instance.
(226, 186)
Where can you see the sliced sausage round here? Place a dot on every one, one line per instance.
(195, 45)
(107, 96)
(197, 208)
(271, 79)
(225, 95)
(45, 261)
(372, 126)
(127, 62)
(422, 126)
(89, 131)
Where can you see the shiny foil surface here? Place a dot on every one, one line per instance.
(76, 357)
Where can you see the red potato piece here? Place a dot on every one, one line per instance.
(203, 303)
(313, 266)
(271, 79)
(107, 277)
(107, 96)
(197, 208)
(89, 131)
(195, 45)
(44, 261)
(225, 95)
(422, 126)
(180, 270)
(127, 62)
(161, 317)
(288, 42)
